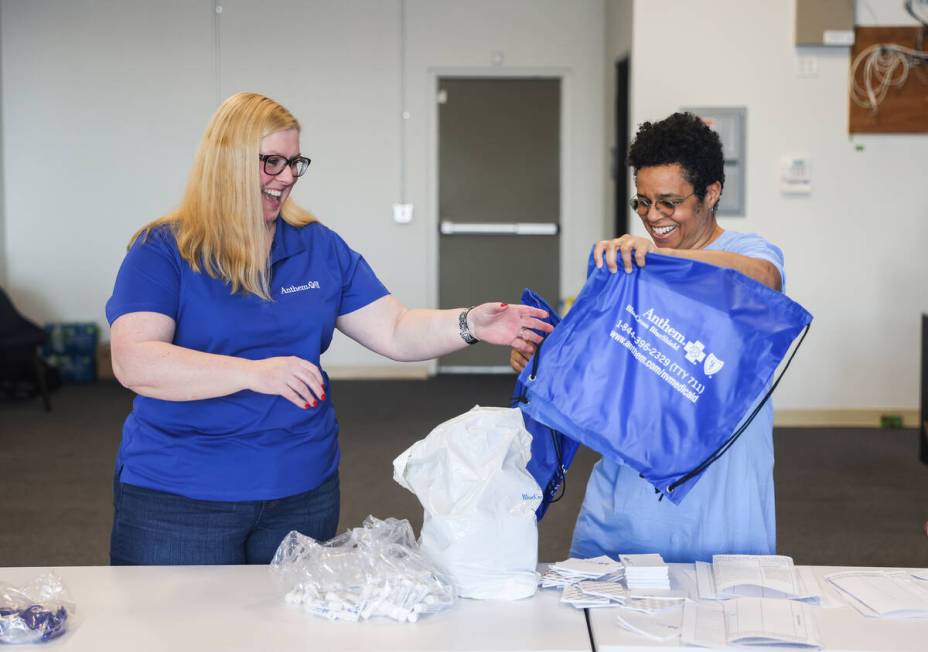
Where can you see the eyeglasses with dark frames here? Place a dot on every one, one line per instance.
(665, 206)
(274, 164)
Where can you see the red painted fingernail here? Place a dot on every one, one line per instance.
(314, 404)
(503, 305)
(322, 398)
(305, 406)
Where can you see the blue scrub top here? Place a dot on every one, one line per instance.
(244, 446)
(731, 508)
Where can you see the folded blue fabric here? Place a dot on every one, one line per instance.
(552, 452)
(658, 367)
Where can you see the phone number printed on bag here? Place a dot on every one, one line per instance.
(655, 361)
(642, 343)
(661, 328)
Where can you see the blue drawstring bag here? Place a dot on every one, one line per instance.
(552, 452)
(658, 367)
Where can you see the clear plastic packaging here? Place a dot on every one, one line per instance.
(35, 613)
(373, 570)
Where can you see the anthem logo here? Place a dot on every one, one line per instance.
(309, 285)
(695, 351)
(712, 365)
(661, 328)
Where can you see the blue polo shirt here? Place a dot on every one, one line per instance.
(244, 446)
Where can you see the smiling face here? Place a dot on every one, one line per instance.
(692, 224)
(276, 189)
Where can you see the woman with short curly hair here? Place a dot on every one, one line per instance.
(679, 175)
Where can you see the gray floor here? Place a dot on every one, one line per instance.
(846, 497)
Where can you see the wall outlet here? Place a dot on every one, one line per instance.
(890, 421)
(402, 213)
(807, 67)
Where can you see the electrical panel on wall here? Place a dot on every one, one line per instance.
(825, 22)
(731, 125)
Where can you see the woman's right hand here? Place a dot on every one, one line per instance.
(293, 378)
(518, 359)
(622, 249)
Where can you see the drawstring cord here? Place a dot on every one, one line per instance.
(731, 440)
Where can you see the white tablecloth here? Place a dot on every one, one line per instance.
(232, 608)
(229, 608)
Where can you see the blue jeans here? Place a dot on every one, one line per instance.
(157, 528)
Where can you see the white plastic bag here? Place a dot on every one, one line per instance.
(479, 527)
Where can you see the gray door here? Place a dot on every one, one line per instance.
(499, 198)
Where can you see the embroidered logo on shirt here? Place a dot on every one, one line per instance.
(309, 285)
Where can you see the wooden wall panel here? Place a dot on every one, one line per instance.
(905, 109)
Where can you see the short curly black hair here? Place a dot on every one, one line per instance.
(685, 139)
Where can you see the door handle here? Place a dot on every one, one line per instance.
(499, 228)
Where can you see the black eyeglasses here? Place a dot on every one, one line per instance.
(274, 164)
(665, 207)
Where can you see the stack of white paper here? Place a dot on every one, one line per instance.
(610, 590)
(588, 568)
(646, 572)
(575, 597)
(587, 583)
(594, 593)
(660, 625)
(572, 571)
(749, 621)
(754, 576)
(883, 594)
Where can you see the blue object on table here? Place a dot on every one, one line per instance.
(34, 624)
(658, 367)
(552, 451)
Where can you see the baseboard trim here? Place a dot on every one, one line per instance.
(466, 369)
(843, 418)
(831, 418)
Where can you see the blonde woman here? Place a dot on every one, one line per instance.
(220, 313)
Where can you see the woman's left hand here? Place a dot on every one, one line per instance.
(626, 246)
(508, 325)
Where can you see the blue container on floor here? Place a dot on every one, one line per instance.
(72, 349)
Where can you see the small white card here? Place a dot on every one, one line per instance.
(610, 590)
(595, 567)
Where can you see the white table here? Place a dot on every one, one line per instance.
(842, 629)
(231, 608)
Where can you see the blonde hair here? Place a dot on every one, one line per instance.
(219, 225)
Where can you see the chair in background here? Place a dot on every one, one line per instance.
(22, 370)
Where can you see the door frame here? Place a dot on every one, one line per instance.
(434, 74)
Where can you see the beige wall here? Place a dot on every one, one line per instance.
(104, 102)
(854, 247)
